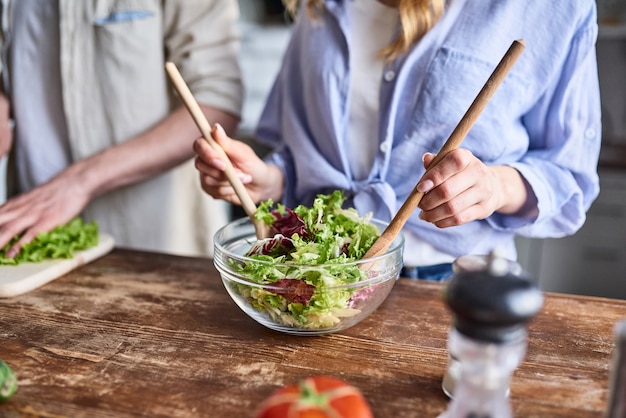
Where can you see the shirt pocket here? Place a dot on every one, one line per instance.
(453, 80)
(128, 27)
(123, 16)
(128, 58)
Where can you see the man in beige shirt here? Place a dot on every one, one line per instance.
(98, 131)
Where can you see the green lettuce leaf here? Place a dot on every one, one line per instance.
(61, 242)
(334, 237)
(8, 381)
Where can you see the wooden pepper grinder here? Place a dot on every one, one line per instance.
(488, 336)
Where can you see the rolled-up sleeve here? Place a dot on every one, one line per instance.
(203, 40)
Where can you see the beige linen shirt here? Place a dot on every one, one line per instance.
(115, 87)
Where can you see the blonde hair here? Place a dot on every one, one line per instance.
(416, 18)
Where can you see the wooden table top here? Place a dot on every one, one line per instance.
(142, 334)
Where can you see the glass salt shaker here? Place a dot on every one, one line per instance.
(488, 336)
(498, 265)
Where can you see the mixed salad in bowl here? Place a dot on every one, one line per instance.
(309, 276)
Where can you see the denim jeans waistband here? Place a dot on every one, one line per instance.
(435, 272)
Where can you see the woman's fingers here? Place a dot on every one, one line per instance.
(460, 189)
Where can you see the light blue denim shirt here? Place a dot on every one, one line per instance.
(544, 120)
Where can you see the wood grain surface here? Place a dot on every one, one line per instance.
(139, 334)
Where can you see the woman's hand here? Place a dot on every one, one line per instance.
(263, 181)
(461, 189)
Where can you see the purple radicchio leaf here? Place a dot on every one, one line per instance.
(294, 290)
(344, 248)
(361, 295)
(276, 246)
(289, 223)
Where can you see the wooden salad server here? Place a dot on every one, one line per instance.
(205, 129)
(480, 102)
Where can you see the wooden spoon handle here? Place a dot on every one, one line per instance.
(502, 69)
(205, 129)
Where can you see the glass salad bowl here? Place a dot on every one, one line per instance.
(303, 298)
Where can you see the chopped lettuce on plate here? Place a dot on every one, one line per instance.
(62, 242)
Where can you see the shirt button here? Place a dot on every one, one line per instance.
(389, 75)
(590, 133)
(384, 147)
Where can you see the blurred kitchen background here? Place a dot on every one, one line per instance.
(593, 261)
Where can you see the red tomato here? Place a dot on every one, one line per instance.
(316, 397)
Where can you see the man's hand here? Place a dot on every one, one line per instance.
(41, 209)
